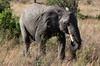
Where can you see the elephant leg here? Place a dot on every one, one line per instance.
(26, 40)
(72, 51)
(61, 46)
(26, 45)
(42, 47)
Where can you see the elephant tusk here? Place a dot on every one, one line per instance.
(71, 37)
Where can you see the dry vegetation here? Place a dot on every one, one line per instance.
(88, 55)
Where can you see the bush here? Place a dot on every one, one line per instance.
(58, 2)
(98, 16)
(4, 4)
(71, 4)
(82, 16)
(9, 23)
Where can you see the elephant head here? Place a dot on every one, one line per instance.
(68, 24)
(64, 20)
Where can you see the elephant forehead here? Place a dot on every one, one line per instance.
(65, 18)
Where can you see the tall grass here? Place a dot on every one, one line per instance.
(88, 55)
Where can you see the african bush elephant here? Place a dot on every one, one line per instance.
(40, 23)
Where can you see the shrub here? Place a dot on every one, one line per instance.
(9, 23)
(98, 16)
(71, 4)
(4, 4)
(82, 16)
(53, 2)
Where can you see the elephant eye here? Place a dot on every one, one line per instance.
(66, 23)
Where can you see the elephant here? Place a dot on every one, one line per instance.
(39, 23)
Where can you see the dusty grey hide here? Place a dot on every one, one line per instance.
(40, 23)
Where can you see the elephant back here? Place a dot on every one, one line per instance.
(33, 11)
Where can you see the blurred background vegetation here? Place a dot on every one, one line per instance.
(9, 24)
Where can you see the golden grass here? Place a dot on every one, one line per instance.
(90, 30)
(87, 56)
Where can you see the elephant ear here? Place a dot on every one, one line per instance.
(41, 28)
(47, 21)
(50, 18)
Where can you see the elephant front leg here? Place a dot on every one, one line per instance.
(26, 45)
(42, 48)
(61, 46)
(72, 51)
(25, 49)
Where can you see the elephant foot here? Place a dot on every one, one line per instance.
(61, 57)
(25, 54)
(73, 55)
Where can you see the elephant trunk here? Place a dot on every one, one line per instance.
(74, 32)
(75, 37)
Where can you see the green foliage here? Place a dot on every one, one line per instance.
(38, 61)
(4, 4)
(98, 16)
(71, 4)
(78, 10)
(82, 16)
(9, 23)
(58, 2)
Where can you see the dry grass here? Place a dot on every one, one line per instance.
(92, 9)
(90, 30)
(87, 56)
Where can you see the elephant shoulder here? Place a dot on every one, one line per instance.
(32, 12)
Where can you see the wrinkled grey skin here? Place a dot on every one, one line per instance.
(40, 23)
